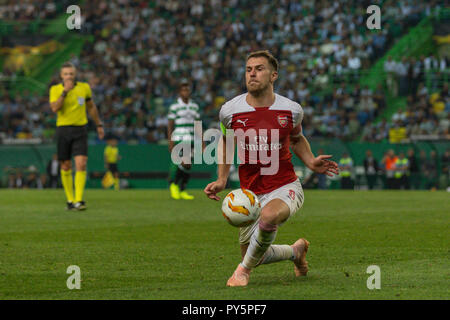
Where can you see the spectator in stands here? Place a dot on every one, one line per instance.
(370, 169)
(53, 172)
(401, 174)
(391, 76)
(388, 162)
(129, 69)
(401, 70)
(414, 172)
(11, 180)
(19, 182)
(432, 166)
(424, 173)
(33, 181)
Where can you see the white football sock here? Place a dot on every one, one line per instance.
(277, 253)
(260, 241)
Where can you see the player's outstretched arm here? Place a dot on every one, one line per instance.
(215, 187)
(301, 148)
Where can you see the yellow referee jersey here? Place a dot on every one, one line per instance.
(111, 154)
(73, 111)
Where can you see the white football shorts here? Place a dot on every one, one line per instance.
(291, 194)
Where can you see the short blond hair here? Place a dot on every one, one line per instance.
(266, 54)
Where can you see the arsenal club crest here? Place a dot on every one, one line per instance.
(292, 194)
(283, 121)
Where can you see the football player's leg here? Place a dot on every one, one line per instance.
(80, 177)
(63, 150)
(173, 170)
(67, 180)
(274, 253)
(175, 177)
(184, 181)
(293, 196)
(272, 214)
(80, 152)
(185, 174)
(186, 167)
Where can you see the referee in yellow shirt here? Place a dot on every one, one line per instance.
(69, 100)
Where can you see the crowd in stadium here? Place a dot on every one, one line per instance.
(425, 114)
(20, 11)
(320, 46)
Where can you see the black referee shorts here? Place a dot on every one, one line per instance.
(71, 141)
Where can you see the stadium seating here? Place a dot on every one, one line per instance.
(330, 63)
(320, 47)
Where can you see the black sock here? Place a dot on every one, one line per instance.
(178, 177)
(184, 180)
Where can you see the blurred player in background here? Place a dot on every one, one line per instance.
(112, 157)
(280, 194)
(69, 99)
(180, 129)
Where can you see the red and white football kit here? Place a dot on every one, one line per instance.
(284, 117)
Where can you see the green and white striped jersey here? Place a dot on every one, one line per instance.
(184, 115)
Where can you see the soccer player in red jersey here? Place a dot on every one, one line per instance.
(254, 114)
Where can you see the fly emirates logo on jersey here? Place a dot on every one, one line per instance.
(260, 147)
(260, 144)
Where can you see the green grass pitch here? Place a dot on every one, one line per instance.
(139, 244)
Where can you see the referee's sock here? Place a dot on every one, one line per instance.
(67, 182)
(80, 182)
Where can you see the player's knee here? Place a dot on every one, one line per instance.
(269, 216)
(66, 165)
(81, 164)
(273, 215)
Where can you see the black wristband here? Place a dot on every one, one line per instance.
(100, 125)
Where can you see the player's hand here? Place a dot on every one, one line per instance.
(101, 133)
(213, 188)
(321, 164)
(68, 85)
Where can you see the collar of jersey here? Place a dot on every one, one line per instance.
(260, 108)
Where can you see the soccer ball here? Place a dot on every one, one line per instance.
(241, 207)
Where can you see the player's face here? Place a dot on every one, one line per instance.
(259, 75)
(68, 74)
(185, 92)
